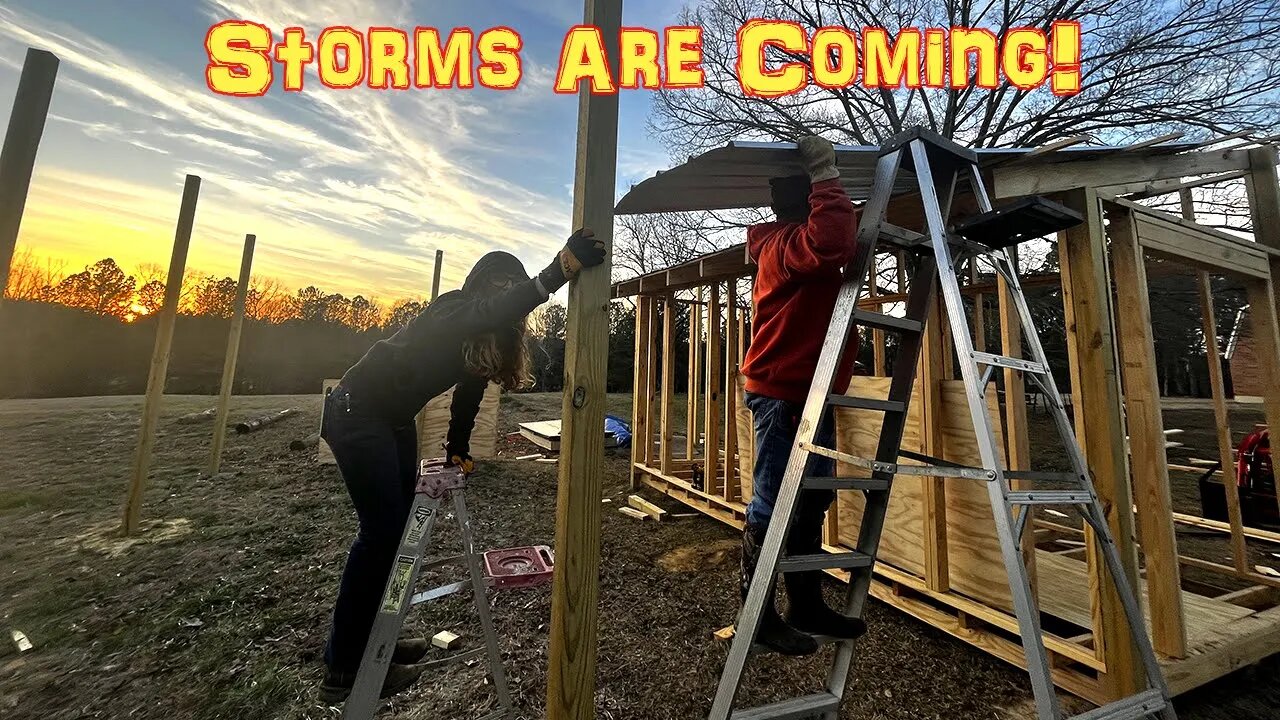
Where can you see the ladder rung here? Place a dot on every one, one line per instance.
(864, 463)
(887, 322)
(825, 561)
(844, 483)
(460, 657)
(862, 403)
(439, 592)
(442, 562)
(793, 709)
(1049, 497)
(1148, 702)
(1042, 476)
(900, 236)
(1009, 362)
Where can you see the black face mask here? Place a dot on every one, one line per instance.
(790, 197)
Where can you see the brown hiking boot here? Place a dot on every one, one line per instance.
(337, 685)
(410, 651)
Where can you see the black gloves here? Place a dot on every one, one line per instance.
(583, 250)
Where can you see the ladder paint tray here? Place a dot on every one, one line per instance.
(519, 567)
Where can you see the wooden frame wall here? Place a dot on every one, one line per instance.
(1112, 375)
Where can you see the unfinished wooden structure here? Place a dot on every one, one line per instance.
(939, 559)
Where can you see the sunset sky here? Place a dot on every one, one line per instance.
(352, 191)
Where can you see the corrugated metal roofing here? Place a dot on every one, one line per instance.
(737, 175)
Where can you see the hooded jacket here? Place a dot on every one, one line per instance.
(398, 375)
(798, 276)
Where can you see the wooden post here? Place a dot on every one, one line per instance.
(1218, 386)
(668, 383)
(21, 141)
(1148, 462)
(160, 355)
(435, 275)
(877, 334)
(571, 679)
(934, 353)
(711, 443)
(233, 352)
(1100, 430)
(1017, 442)
(1263, 187)
(640, 434)
(1266, 343)
(692, 427)
(731, 487)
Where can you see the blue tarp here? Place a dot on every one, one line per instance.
(619, 429)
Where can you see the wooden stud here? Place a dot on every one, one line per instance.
(731, 487)
(1017, 442)
(711, 440)
(633, 513)
(1033, 179)
(640, 434)
(1099, 429)
(1266, 342)
(233, 353)
(435, 275)
(575, 590)
(934, 529)
(1222, 420)
(651, 387)
(1263, 189)
(646, 507)
(877, 334)
(1148, 462)
(21, 141)
(160, 356)
(694, 388)
(666, 425)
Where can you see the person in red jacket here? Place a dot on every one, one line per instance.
(800, 258)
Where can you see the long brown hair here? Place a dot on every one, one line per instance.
(501, 356)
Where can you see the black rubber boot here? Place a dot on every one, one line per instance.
(773, 633)
(807, 611)
(337, 685)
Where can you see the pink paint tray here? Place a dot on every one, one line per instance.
(519, 567)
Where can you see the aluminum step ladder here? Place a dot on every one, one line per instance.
(437, 482)
(938, 164)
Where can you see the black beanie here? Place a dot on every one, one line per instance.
(789, 196)
(497, 264)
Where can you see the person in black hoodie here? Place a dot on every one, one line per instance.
(463, 340)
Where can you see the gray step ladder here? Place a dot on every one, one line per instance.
(937, 164)
(436, 483)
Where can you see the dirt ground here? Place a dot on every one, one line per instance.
(221, 609)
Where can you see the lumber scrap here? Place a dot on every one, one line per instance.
(256, 424)
(646, 507)
(445, 640)
(633, 513)
(196, 417)
(305, 443)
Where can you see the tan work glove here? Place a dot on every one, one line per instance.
(819, 157)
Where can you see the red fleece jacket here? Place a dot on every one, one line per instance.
(797, 280)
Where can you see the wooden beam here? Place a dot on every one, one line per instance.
(1099, 429)
(160, 356)
(1146, 438)
(665, 433)
(731, 486)
(233, 353)
(1263, 190)
(1213, 358)
(1266, 345)
(1167, 137)
(1253, 533)
(1054, 146)
(1197, 246)
(1165, 187)
(692, 427)
(21, 141)
(640, 433)
(711, 439)
(435, 275)
(877, 334)
(934, 521)
(575, 590)
(1040, 178)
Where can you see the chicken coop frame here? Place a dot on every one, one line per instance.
(940, 561)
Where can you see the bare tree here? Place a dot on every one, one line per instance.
(1146, 68)
(29, 274)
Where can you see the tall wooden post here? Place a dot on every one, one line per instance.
(665, 433)
(1263, 187)
(160, 355)
(435, 278)
(641, 437)
(692, 428)
(1146, 439)
(571, 678)
(233, 353)
(21, 140)
(731, 487)
(1017, 443)
(1100, 430)
(711, 426)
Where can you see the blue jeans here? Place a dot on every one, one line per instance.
(776, 423)
(378, 460)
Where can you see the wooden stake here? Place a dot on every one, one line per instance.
(877, 334)
(692, 427)
(640, 435)
(1100, 430)
(711, 441)
(731, 488)
(435, 293)
(21, 141)
(665, 433)
(1213, 355)
(571, 679)
(435, 276)
(160, 355)
(1146, 439)
(233, 352)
